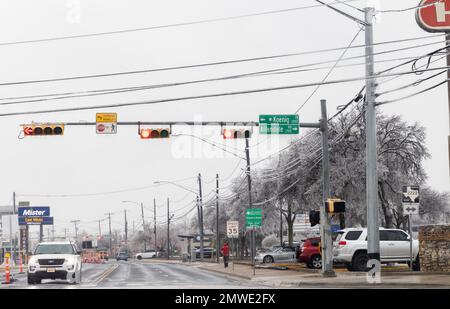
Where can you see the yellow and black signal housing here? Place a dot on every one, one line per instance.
(334, 205)
(43, 129)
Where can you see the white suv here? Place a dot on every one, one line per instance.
(350, 248)
(55, 260)
(149, 254)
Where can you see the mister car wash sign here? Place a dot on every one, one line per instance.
(35, 220)
(434, 16)
(35, 211)
(279, 124)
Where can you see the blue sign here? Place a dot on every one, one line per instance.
(335, 228)
(35, 211)
(35, 220)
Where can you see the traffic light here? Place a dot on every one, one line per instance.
(314, 217)
(334, 206)
(233, 134)
(154, 133)
(43, 129)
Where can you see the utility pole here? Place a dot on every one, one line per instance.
(217, 219)
(110, 234)
(447, 43)
(126, 226)
(76, 228)
(143, 225)
(154, 222)
(250, 203)
(201, 214)
(373, 236)
(325, 226)
(168, 230)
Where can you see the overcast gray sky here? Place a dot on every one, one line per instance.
(82, 162)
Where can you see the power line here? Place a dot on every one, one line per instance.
(211, 20)
(218, 62)
(409, 9)
(412, 95)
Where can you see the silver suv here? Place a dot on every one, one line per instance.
(350, 248)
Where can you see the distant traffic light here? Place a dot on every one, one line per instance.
(334, 206)
(233, 134)
(314, 217)
(43, 129)
(154, 133)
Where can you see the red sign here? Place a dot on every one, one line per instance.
(100, 127)
(28, 130)
(434, 16)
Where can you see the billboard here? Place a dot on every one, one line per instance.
(35, 220)
(35, 211)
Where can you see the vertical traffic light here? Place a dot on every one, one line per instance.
(314, 217)
(154, 133)
(335, 206)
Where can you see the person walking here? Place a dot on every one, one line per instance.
(225, 250)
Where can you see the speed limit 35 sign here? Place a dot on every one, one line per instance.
(232, 229)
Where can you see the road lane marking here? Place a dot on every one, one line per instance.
(105, 274)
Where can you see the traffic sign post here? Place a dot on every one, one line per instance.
(106, 123)
(411, 202)
(279, 124)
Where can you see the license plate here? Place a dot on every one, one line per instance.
(50, 270)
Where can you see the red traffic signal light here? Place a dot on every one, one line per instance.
(43, 129)
(154, 133)
(233, 134)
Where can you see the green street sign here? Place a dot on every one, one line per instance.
(279, 124)
(253, 218)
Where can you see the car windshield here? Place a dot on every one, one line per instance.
(54, 249)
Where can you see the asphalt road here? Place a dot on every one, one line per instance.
(140, 274)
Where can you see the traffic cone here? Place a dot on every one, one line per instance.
(20, 264)
(7, 272)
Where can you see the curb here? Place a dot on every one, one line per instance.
(225, 274)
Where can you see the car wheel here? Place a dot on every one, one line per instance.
(360, 262)
(139, 257)
(349, 267)
(268, 259)
(31, 280)
(316, 262)
(416, 264)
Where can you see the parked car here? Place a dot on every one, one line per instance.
(310, 253)
(122, 256)
(207, 253)
(55, 260)
(350, 248)
(282, 254)
(149, 254)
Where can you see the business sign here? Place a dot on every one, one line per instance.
(411, 200)
(24, 240)
(253, 218)
(106, 123)
(434, 16)
(35, 211)
(35, 220)
(279, 124)
(232, 229)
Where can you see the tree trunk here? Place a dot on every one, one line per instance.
(385, 206)
(290, 224)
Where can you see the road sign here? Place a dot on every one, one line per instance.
(411, 200)
(279, 124)
(35, 211)
(106, 123)
(232, 229)
(28, 130)
(35, 220)
(434, 16)
(253, 218)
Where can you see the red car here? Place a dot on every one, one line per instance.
(311, 254)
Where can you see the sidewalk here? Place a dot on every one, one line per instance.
(313, 278)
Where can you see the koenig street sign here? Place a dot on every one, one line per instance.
(253, 218)
(279, 124)
(232, 229)
(434, 16)
(106, 123)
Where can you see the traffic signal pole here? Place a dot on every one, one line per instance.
(217, 219)
(154, 222)
(143, 225)
(250, 202)
(200, 215)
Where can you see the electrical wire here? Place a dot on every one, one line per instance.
(409, 9)
(412, 95)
